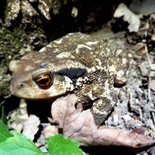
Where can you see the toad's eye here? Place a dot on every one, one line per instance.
(44, 81)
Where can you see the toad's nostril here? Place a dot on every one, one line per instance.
(21, 85)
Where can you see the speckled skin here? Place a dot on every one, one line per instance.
(78, 64)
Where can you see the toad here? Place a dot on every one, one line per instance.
(74, 64)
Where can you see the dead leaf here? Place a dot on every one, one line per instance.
(31, 126)
(50, 131)
(128, 16)
(80, 125)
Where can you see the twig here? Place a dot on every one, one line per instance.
(149, 63)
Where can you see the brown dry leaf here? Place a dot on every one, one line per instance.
(79, 125)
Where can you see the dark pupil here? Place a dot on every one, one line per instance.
(43, 81)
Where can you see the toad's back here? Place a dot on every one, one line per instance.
(74, 63)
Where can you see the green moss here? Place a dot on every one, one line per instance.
(10, 43)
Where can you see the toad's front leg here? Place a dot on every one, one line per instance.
(101, 108)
